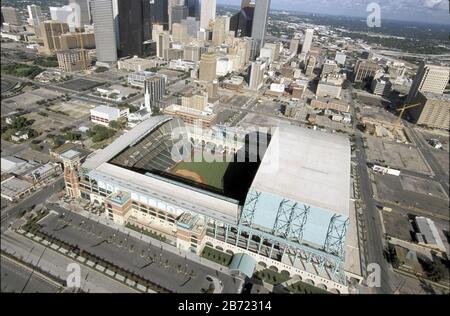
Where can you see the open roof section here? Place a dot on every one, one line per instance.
(147, 148)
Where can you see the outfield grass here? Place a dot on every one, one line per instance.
(211, 172)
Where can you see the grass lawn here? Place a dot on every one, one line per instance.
(305, 288)
(211, 172)
(272, 277)
(216, 256)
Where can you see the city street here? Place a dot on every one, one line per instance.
(56, 264)
(13, 210)
(152, 261)
(18, 279)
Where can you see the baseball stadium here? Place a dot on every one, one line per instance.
(286, 207)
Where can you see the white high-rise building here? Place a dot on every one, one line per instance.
(82, 15)
(147, 99)
(207, 13)
(340, 58)
(307, 41)
(221, 29)
(257, 75)
(62, 14)
(104, 30)
(35, 18)
(429, 78)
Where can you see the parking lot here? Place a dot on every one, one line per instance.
(80, 84)
(395, 155)
(411, 192)
(151, 261)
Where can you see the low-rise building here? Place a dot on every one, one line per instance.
(325, 89)
(233, 83)
(183, 65)
(19, 136)
(427, 234)
(138, 78)
(42, 173)
(103, 115)
(14, 189)
(192, 116)
(330, 104)
(137, 64)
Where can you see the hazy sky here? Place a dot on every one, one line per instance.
(436, 11)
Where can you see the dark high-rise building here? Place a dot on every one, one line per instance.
(159, 13)
(193, 8)
(241, 23)
(179, 12)
(260, 18)
(135, 27)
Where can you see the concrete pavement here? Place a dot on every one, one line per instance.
(12, 211)
(56, 264)
(17, 278)
(154, 260)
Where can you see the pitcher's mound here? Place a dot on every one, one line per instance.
(191, 175)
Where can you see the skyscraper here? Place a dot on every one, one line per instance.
(160, 13)
(180, 33)
(50, 32)
(62, 14)
(241, 23)
(10, 16)
(179, 12)
(257, 74)
(170, 5)
(208, 65)
(35, 18)
(82, 13)
(294, 45)
(192, 25)
(429, 78)
(307, 41)
(221, 28)
(207, 13)
(104, 30)
(193, 8)
(134, 21)
(155, 88)
(260, 21)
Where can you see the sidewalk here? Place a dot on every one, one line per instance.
(180, 252)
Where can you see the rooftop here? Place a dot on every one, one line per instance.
(437, 96)
(70, 154)
(14, 186)
(110, 111)
(307, 166)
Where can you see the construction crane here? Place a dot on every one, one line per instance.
(82, 52)
(402, 111)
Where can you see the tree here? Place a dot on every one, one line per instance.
(101, 69)
(438, 270)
